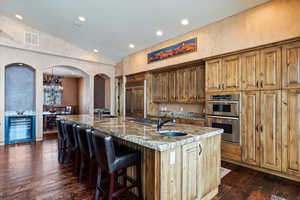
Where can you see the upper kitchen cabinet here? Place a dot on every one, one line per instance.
(270, 69)
(291, 131)
(223, 74)
(250, 70)
(160, 87)
(213, 79)
(231, 73)
(291, 66)
(182, 85)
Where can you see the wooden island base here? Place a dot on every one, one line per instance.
(188, 172)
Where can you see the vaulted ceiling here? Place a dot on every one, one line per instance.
(111, 25)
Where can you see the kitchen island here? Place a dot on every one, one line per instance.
(182, 167)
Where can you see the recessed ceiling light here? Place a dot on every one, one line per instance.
(82, 19)
(131, 46)
(96, 50)
(159, 33)
(20, 17)
(184, 22)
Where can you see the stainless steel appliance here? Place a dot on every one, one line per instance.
(223, 111)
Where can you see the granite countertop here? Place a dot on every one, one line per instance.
(144, 134)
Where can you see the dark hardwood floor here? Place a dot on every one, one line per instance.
(31, 171)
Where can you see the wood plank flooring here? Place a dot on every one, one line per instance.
(31, 172)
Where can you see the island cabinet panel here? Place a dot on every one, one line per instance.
(250, 70)
(249, 129)
(170, 177)
(270, 72)
(291, 66)
(197, 160)
(291, 131)
(231, 73)
(213, 76)
(270, 129)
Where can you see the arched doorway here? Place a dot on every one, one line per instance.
(66, 91)
(20, 103)
(102, 92)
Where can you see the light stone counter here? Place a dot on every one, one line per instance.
(145, 135)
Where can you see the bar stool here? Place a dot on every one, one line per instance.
(70, 140)
(85, 156)
(61, 141)
(77, 151)
(112, 160)
(92, 161)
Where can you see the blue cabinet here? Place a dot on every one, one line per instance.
(19, 129)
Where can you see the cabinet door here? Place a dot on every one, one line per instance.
(270, 68)
(172, 86)
(155, 87)
(128, 102)
(250, 70)
(164, 79)
(138, 106)
(190, 167)
(231, 73)
(209, 166)
(291, 132)
(249, 127)
(270, 130)
(213, 75)
(191, 83)
(200, 83)
(291, 66)
(182, 86)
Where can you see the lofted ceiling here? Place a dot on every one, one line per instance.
(111, 25)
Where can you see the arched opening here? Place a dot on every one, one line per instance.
(66, 89)
(102, 90)
(20, 103)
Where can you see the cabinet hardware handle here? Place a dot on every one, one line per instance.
(256, 128)
(219, 86)
(261, 128)
(257, 84)
(261, 84)
(223, 86)
(200, 149)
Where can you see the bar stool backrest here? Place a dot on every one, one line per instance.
(68, 132)
(82, 140)
(60, 124)
(104, 150)
(75, 136)
(90, 143)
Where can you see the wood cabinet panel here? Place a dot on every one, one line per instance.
(270, 129)
(291, 131)
(160, 87)
(270, 69)
(250, 70)
(249, 130)
(213, 78)
(190, 166)
(135, 102)
(172, 86)
(291, 66)
(231, 73)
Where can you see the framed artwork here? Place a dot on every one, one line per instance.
(174, 50)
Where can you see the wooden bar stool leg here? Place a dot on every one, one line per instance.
(111, 185)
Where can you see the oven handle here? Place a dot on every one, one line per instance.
(221, 117)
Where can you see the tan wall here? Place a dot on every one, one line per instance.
(70, 92)
(268, 23)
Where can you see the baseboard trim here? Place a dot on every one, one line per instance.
(1, 143)
(39, 139)
(280, 174)
(211, 195)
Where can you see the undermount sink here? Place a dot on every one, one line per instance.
(172, 133)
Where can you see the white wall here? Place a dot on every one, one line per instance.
(53, 52)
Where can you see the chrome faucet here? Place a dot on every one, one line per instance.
(161, 122)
